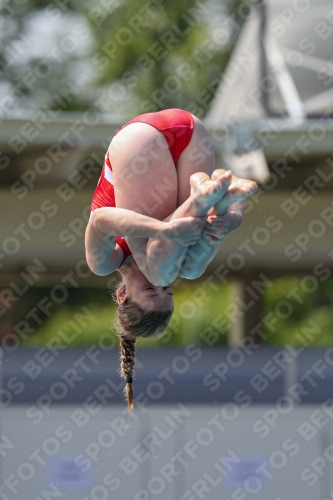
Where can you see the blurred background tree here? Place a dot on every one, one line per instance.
(164, 55)
(115, 56)
(191, 320)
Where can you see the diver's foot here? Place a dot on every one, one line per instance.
(207, 192)
(239, 189)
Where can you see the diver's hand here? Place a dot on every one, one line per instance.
(219, 227)
(186, 231)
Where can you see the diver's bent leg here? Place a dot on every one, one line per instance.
(165, 257)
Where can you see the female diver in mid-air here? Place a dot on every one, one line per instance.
(159, 191)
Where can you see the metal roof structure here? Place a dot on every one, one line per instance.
(281, 65)
(277, 86)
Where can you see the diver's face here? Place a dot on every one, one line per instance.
(150, 297)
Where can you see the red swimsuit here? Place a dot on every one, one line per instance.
(177, 127)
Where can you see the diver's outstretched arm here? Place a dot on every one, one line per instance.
(104, 256)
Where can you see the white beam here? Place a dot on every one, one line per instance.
(284, 80)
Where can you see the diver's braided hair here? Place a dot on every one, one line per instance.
(131, 322)
(127, 355)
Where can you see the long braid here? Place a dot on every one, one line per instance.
(127, 357)
(131, 322)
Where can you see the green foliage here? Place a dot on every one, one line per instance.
(89, 315)
(309, 316)
(143, 56)
(65, 326)
(163, 53)
(34, 75)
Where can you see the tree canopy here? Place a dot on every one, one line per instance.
(120, 56)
